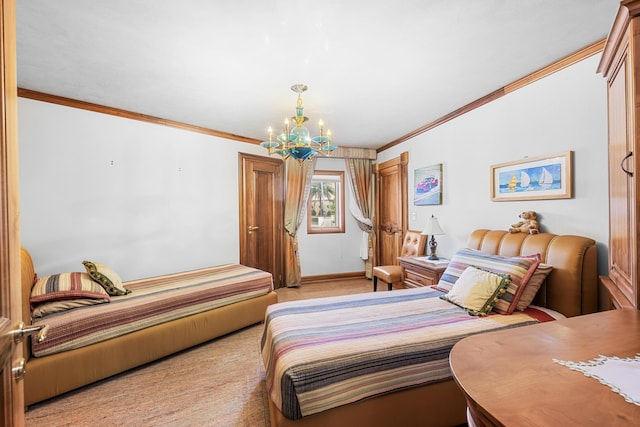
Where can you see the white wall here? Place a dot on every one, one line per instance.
(169, 201)
(143, 198)
(565, 111)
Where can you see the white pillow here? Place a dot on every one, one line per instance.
(477, 290)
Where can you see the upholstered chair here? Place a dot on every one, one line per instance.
(412, 245)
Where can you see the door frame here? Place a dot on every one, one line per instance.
(243, 223)
(10, 270)
(401, 162)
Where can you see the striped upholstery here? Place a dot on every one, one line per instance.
(519, 269)
(327, 352)
(152, 302)
(66, 286)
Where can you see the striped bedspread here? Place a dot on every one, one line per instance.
(151, 302)
(327, 352)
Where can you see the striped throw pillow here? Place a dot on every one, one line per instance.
(66, 286)
(534, 285)
(519, 269)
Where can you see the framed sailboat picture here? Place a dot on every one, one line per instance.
(545, 177)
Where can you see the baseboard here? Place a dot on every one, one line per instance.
(333, 277)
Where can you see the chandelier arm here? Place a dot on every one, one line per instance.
(297, 142)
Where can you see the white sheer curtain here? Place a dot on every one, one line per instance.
(359, 177)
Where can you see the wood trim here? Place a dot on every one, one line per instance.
(399, 163)
(618, 299)
(341, 152)
(11, 391)
(340, 211)
(563, 63)
(332, 277)
(403, 159)
(442, 120)
(614, 39)
(246, 204)
(518, 84)
(83, 105)
(628, 10)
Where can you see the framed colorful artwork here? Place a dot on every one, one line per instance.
(427, 185)
(545, 177)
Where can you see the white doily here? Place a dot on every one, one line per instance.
(621, 375)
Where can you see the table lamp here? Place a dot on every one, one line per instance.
(432, 228)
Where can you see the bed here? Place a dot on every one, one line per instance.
(381, 359)
(158, 316)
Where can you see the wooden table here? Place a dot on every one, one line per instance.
(509, 379)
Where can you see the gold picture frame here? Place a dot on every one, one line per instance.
(539, 178)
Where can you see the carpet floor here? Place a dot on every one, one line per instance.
(219, 383)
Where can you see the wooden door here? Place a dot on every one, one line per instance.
(391, 206)
(262, 214)
(10, 289)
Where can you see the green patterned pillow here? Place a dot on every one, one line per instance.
(477, 290)
(106, 277)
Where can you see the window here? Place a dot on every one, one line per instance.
(325, 207)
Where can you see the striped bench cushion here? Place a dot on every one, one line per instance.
(151, 302)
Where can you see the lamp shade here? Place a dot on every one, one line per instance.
(432, 228)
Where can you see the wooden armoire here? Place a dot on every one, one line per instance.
(620, 65)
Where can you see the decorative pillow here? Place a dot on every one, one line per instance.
(520, 269)
(106, 277)
(477, 290)
(533, 286)
(66, 286)
(50, 307)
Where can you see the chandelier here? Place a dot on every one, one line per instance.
(297, 142)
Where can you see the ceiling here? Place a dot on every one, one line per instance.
(376, 70)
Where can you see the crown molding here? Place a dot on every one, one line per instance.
(83, 105)
(565, 62)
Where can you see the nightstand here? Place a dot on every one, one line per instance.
(418, 272)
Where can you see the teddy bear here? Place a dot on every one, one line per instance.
(529, 223)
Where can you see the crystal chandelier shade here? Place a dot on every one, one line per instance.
(297, 142)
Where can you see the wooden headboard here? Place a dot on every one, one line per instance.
(572, 287)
